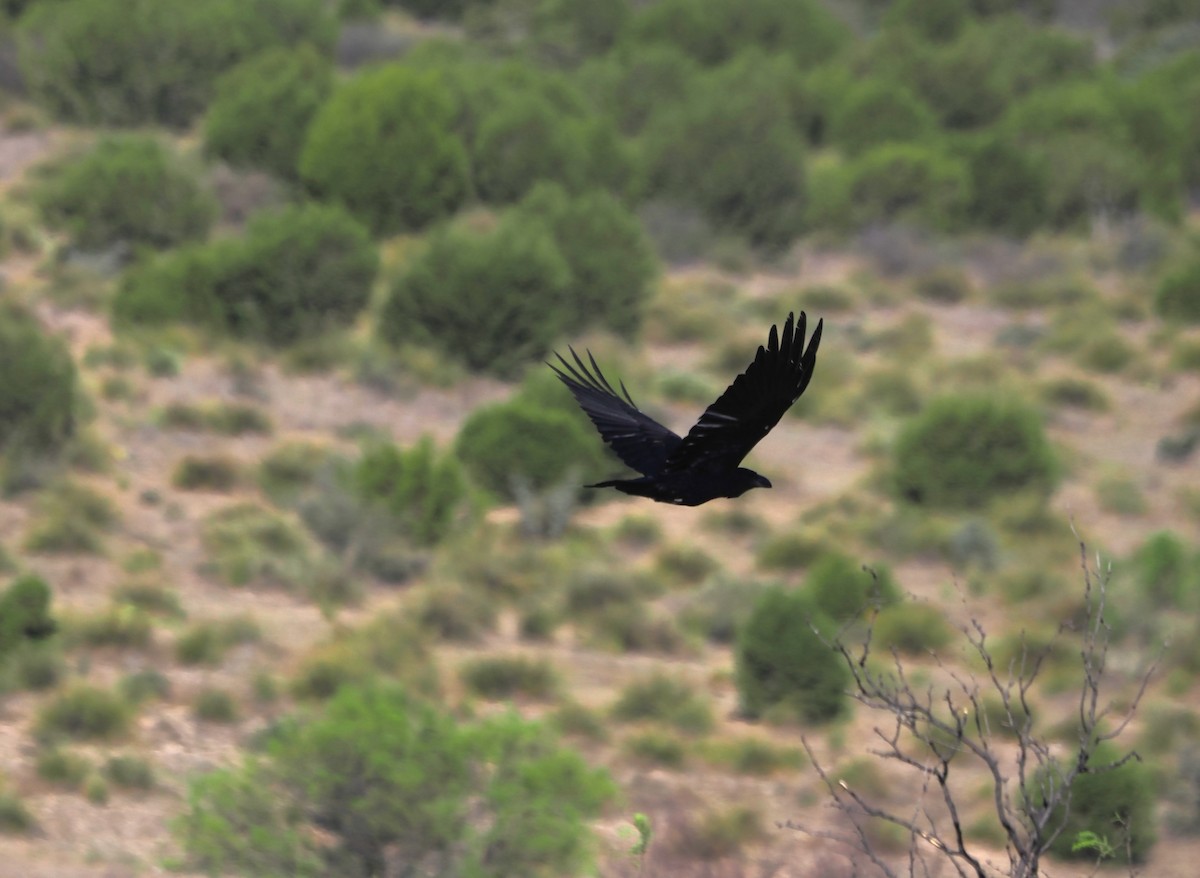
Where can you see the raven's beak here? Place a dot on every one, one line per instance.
(763, 482)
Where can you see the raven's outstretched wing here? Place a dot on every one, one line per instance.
(639, 440)
(752, 404)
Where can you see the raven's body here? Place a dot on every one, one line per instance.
(704, 464)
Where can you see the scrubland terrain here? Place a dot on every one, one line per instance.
(283, 466)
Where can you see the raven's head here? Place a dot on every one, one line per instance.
(742, 480)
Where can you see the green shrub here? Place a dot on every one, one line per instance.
(935, 20)
(150, 597)
(631, 86)
(84, 713)
(964, 450)
(1118, 805)
(129, 188)
(24, 613)
(379, 770)
(911, 628)
(511, 677)
(263, 107)
(296, 272)
(71, 518)
(1104, 151)
(37, 667)
(657, 747)
(782, 662)
(664, 699)
(907, 181)
(507, 445)
(611, 263)
(1077, 393)
(718, 610)
(37, 397)
(698, 153)
(526, 139)
(14, 816)
(140, 686)
(421, 489)
(491, 299)
(63, 767)
(877, 111)
(713, 31)
(235, 419)
(123, 627)
(384, 147)
(788, 551)
(842, 589)
(145, 61)
(205, 643)
(1009, 188)
(454, 613)
(215, 706)
(129, 772)
(208, 473)
(751, 756)
(1178, 293)
(1165, 572)
(391, 646)
(289, 469)
(246, 543)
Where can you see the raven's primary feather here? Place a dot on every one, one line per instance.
(704, 464)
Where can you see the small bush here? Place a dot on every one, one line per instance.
(1165, 572)
(289, 469)
(150, 597)
(874, 112)
(209, 473)
(751, 756)
(37, 397)
(518, 443)
(656, 747)
(129, 772)
(383, 145)
(1178, 294)
(667, 700)
(14, 816)
(263, 107)
(128, 189)
(84, 713)
(72, 518)
(510, 677)
(788, 551)
(64, 768)
(492, 299)
(611, 264)
(215, 706)
(24, 613)
(843, 590)
(900, 182)
(911, 628)
(226, 418)
(422, 489)
(247, 543)
(720, 607)
(452, 612)
(964, 450)
(1076, 393)
(295, 273)
(782, 662)
(714, 31)
(390, 645)
(123, 627)
(697, 153)
(144, 61)
(140, 686)
(1118, 805)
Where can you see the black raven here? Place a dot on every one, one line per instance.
(702, 465)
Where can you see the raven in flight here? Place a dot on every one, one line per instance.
(702, 465)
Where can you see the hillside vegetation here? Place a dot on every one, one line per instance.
(296, 573)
